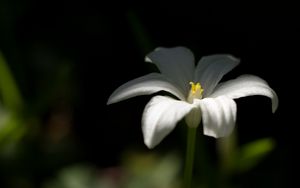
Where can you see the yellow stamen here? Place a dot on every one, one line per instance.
(196, 88)
(195, 92)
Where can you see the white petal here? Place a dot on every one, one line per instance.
(160, 117)
(246, 85)
(176, 63)
(218, 116)
(144, 85)
(211, 69)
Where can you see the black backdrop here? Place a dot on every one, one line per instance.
(106, 45)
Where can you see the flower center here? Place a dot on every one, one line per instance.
(195, 92)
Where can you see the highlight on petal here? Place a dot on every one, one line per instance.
(160, 117)
(145, 85)
(176, 63)
(218, 116)
(246, 85)
(211, 69)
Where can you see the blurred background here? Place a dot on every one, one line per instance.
(60, 61)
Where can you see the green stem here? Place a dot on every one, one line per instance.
(190, 152)
(227, 148)
(140, 33)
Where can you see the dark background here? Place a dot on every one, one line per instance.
(68, 57)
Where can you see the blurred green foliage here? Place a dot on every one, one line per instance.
(10, 93)
(252, 153)
(11, 128)
(138, 169)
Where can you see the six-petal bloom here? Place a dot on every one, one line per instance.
(196, 90)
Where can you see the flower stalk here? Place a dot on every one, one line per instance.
(190, 153)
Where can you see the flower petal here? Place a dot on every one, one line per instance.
(218, 115)
(211, 69)
(176, 63)
(144, 85)
(160, 117)
(246, 85)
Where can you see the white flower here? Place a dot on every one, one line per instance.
(196, 93)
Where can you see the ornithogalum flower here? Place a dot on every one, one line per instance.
(196, 93)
